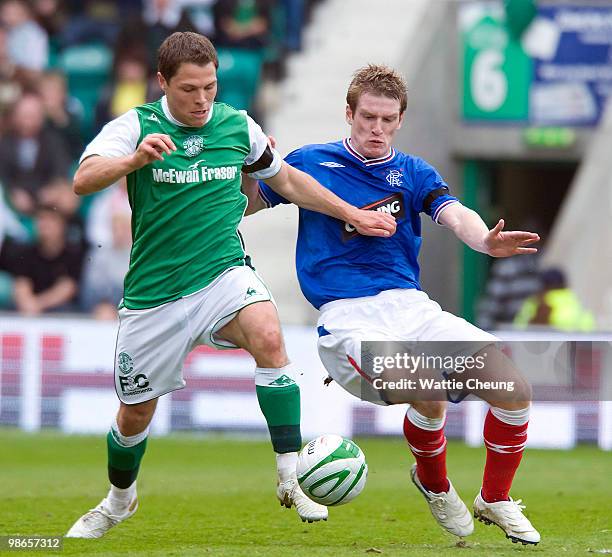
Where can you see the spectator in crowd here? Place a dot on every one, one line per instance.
(48, 272)
(10, 88)
(555, 306)
(92, 21)
(28, 44)
(31, 155)
(131, 87)
(200, 13)
(242, 23)
(6, 279)
(63, 112)
(58, 194)
(51, 16)
(294, 19)
(161, 19)
(110, 236)
(510, 282)
(11, 231)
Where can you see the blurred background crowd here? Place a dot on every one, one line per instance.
(66, 68)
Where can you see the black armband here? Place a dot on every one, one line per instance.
(433, 195)
(265, 161)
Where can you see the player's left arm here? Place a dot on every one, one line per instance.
(471, 229)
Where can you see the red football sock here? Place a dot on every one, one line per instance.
(505, 444)
(429, 449)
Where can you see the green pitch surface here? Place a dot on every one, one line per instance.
(212, 496)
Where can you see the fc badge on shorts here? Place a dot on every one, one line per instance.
(125, 363)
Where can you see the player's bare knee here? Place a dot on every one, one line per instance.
(268, 345)
(430, 408)
(133, 419)
(516, 398)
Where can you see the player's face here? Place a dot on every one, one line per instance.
(373, 124)
(191, 92)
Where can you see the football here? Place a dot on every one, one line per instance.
(331, 470)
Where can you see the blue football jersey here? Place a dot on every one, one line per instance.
(333, 260)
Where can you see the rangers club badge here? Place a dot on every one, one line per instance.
(394, 178)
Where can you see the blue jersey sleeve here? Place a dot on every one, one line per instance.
(432, 194)
(269, 196)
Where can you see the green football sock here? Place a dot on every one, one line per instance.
(281, 408)
(123, 461)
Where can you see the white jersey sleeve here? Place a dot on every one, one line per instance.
(264, 161)
(118, 138)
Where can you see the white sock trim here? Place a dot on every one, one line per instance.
(423, 422)
(131, 440)
(511, 417)
(266, 376)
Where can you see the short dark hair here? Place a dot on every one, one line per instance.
(380, 80)
(184, 47)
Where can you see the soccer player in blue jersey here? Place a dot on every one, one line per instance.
(368, 289)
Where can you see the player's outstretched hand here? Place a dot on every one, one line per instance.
(505, 244)
(373, 223)
(152, 148)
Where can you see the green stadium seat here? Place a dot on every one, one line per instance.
(239, 75)
(87, 68)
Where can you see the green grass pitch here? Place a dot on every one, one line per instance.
(214, 496)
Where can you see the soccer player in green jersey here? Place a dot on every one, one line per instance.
(189, 280)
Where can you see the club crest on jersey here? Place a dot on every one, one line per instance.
(193, 145)
(394, 178)
(392, 204)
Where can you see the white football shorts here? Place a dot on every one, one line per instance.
(393, 315)
(152, 344)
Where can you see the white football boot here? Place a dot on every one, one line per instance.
(290, 493)
(508, 515)
(98, 521)
(447, 508)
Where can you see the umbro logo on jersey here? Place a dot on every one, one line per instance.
(153, 118)
(393, 204)
(332, 164)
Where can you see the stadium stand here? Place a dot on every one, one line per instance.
(86, 63)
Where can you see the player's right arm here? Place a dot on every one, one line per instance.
(115, 153)
(97, 172)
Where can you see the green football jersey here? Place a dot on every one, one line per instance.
(186, 209)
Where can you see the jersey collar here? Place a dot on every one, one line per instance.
(168, 114)
(368, 162)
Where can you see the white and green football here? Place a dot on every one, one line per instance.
(331, 470)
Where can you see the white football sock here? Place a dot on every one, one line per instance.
(285, 464)
(119, 499)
